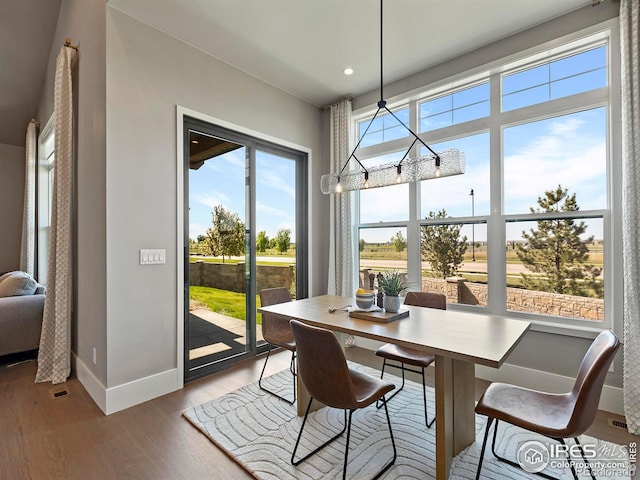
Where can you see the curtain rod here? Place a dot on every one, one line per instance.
(327, 107)
(67, 43)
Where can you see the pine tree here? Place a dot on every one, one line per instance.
(442, 246)
(556, 251)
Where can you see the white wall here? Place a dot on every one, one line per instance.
(148, 74)
(12, 165)
(84, 22)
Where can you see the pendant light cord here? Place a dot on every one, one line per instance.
(381, 57)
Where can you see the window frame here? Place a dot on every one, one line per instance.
(496, 221)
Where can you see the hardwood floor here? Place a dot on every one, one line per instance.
(42, 437)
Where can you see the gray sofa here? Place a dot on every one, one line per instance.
(20, 313)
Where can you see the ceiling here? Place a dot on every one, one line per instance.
(299, 46)
(26, 33)
(303, 46)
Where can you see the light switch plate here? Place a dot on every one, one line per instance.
(153, 256)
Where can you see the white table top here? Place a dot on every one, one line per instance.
(479, 338)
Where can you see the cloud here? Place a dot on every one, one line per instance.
(264, 209)
(196, 229)
(212, 200)
(276, 180)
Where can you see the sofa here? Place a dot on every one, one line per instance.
(21, 309)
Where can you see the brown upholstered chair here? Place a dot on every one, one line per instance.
(557, 416)
(323, 370)
(408, 356)
(277, 333)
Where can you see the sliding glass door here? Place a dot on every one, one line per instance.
(245, 228)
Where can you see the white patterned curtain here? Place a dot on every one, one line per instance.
(630, 51)
(340, 245)
(54, 356)
(27, 247)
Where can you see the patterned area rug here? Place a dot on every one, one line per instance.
(259, 431)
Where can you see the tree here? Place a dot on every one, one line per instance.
(226, 237)
(442, 246)
(362, 244)
(556, 251)
(399, 242)
(283, 240)
(262, 242)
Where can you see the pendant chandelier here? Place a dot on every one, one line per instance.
(424, 167)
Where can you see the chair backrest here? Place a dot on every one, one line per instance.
(590, 380)
(273, 324)
(322, 366)
(426, 299)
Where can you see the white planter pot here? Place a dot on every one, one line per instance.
(391, 304)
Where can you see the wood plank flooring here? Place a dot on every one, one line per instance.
(70, 438)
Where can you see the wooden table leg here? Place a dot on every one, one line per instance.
(455, 417)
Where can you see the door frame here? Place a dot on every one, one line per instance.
(304, 284)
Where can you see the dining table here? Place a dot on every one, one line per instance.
(458, 339)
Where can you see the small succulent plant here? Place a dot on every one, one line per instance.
(392, 283)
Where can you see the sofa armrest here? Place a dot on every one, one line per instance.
(20, 323)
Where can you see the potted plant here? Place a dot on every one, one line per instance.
(392, 285)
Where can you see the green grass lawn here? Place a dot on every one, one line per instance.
(224, 302)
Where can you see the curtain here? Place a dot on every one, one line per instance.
(54, 356)
(27, 247)
(630, 50)
(340, 244)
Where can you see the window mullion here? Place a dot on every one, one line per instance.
(496, 232)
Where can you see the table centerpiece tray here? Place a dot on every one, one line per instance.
(379, 316)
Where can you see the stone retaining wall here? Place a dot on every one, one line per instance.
(458, 290)
(231, 276)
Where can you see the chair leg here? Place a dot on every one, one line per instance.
(484, 445)
(516, 465)
(393, 444)
(584, 458)
(304, 421)
(347, 427)
(397, 391)
(424, 394)
(291, 368)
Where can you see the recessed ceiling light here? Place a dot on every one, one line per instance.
(348, 71)
(194, 141)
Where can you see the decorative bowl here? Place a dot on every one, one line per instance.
(364, 301)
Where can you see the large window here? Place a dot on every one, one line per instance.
(527, 230)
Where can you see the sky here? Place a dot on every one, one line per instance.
(567, 150)
(221, 181)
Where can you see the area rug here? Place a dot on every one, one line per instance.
(259, 431)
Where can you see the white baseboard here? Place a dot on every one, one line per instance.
(141, 390)
(610, 400)
(91, 384)
(114, 399)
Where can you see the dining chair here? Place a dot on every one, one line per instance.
(323, 370)
(277, 333)
(557, 416)
(408, 356)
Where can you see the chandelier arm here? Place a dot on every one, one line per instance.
(406, 154)
(353, 153)
(415, 136)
